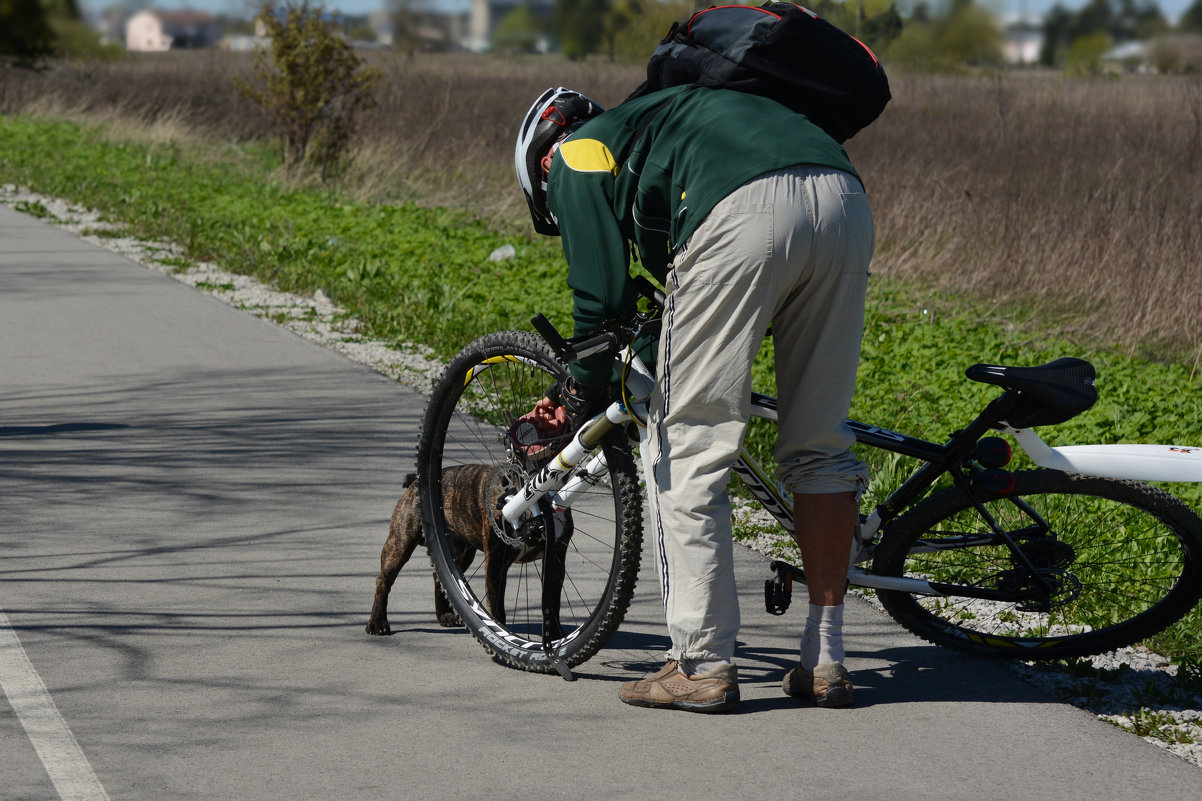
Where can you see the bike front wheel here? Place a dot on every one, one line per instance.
(1101, 564)
(472, 427)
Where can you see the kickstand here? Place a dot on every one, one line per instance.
(555, 553)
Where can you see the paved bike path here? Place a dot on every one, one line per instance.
(192, 503)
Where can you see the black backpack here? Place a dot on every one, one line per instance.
(781, 51)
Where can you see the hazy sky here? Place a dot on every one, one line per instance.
(1171, 8)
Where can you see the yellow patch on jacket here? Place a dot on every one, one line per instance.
(588, 155)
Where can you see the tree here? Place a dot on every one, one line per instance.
(579, 24)
(25, 33)
(1095, 17)
(73, 37)
(1085, 54)
(517, 32)
(1191, 20)
(881, 29)
(31, 30)
(633, 28)
(1132, 20)
(971, 35)
(1139, 20)
(62, 8)
(874, 22)
(403, 15)
(1056, 35)
(312, 84)
(967, 36)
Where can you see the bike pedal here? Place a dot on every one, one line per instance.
(778, 590)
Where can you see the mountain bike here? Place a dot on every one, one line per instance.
(1077, 557)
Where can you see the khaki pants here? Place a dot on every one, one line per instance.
(790, 248)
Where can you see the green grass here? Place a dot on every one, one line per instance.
(422, 275)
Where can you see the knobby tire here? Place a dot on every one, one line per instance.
(486, 387)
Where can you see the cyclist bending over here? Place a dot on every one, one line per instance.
(750, 216)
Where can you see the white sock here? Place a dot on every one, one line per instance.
(822, 640)
(702, 667)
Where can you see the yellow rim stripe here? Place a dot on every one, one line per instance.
(491, 360)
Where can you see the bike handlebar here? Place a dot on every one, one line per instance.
(571, 350)
(610, 338)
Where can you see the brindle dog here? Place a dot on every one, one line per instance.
(470, 494)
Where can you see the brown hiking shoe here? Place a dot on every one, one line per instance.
(670, 688)
(829, 685)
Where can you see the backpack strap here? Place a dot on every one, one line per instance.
(644, 124)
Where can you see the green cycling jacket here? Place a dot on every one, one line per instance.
(612, 184)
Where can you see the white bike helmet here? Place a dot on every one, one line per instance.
(556, 113)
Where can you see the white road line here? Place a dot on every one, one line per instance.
(61, 755)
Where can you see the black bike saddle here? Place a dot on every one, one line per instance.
(1048, 394)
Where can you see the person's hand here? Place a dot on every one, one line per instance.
(568, 406)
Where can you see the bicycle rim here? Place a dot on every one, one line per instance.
(470, 421)
(1118, 561)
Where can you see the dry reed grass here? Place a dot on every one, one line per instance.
(1074, 202)
(1082, 199)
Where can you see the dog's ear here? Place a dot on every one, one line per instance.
(409, 479)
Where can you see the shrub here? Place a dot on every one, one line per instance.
(517, 32)
(1085, 54)
(313, 85)
(25, 35)
(968, 36)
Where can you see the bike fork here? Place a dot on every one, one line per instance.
(542, 491)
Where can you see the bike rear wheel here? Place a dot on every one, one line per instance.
(1121, 559)
(472, 420)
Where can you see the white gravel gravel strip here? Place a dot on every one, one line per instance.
(1130, 688)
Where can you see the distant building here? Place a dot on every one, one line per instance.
(431, 28)
(1164, 54)
(1023, 39)
(240, 42)
(330, 18)
(440, 25)
(111, 25)
(155, 30)
(1130, 56)
(485, 15)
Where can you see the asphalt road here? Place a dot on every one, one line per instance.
(192, 503)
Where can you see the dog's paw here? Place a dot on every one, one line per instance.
(449, 620)
(380, 627)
